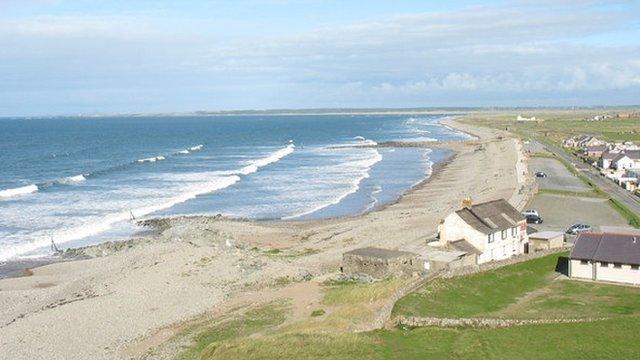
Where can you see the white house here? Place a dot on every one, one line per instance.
(495, 228)
(605, 159)
(626, 160)
(606, 257)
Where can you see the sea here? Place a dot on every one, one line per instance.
(79, 181)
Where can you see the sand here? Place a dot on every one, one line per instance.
(121, 301)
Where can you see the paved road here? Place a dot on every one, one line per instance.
(606, 185)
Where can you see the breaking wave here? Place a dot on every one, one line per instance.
(366, 164)
(272, 158)
(73, 179)
(152, 159)
(86, 230)
(24, 190)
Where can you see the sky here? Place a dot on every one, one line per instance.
(70, 57)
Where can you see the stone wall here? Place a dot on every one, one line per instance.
(498, 264)
(413, 321)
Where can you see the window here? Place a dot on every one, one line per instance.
(604, 264)
(504, 234)
(617, 265)
(490, 238)
(584, 262)
(634, 267)
(514, 232)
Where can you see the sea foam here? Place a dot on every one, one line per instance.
(152, 159)
(74, 179)
(24, 190)
(365, 165)
(105, 223)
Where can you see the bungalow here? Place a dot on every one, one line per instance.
(606, 257)
(583, 141)
(591, 141)
(495, 229)
(575, 140)
(596, 150)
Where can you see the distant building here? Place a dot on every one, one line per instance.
(583, 142)
(606, 158)
(620, 160)
(626, 160)
(521, 118)
(596, 150)
(545, 240)
(606, 257)
(381, 263)
(495, 229)
(591, 141)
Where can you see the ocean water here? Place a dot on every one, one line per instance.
(80, 180)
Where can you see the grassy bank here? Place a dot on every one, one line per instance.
(525, 290)
(632, 218)
(480, 294)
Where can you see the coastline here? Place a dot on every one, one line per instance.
(17, 267)
(196, 265)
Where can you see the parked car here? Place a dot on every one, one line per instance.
(533, 219)
(541, 174)
(530, 212)
(576, 229)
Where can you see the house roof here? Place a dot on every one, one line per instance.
(633, 154)
(379, 253)
(607, 247)
(465, 246)
(608, 155)
(492, 216)
(597, 148)
(545, 235)
(619, 157)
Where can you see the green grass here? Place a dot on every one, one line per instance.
(287, 253)
(524, 290)
(632, 218)
(589, 194)
(577, 299)
(338, 293)
(544, 155)
(479, 294)
(206, 338)
(621, 136)
(611, 339)
(560, 124)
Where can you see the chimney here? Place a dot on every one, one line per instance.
(467, 203)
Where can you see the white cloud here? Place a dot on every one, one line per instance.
(480, 55)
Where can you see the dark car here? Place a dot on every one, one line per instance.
(533, 219)
(541, 174)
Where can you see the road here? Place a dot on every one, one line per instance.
(616, 192)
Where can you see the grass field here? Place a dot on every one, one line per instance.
(528, 290)
(525, 290)
(558, 125)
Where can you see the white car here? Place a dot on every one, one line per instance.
(530, 212)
